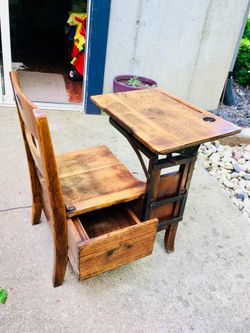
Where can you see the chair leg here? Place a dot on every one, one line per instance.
(170, 237)
(60, 237)
(60, 265)
(36, 212)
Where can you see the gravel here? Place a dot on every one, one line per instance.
(240, 114)
(231, 167)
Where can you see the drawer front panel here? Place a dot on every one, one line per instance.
(117, 248)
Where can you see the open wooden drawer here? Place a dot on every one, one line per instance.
(108, 238)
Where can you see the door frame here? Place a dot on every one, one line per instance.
(96, 47)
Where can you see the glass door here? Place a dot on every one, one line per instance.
(48, 43)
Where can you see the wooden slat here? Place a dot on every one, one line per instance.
(73, 240)
(80, 229)
(85, 160)
(26, 108)
(168, 186)
(88, 193)
(133, 216)
(35, 152)
(162, 122)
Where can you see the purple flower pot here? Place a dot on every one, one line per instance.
(120, 83)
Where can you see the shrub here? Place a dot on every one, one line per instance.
(242, 65)
(246, 33)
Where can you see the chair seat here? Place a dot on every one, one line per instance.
(94, 178)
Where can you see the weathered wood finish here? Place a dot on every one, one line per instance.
(186, 171)
(78, 182)
(167, 187)
(173, 186)
(157, 123)
(162, 122)
(115, 237)
(96, 182)
(43, 172)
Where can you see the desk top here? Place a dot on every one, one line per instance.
(162, 122)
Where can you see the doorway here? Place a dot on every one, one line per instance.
(98, 12)
(42, 38)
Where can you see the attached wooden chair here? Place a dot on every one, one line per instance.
(83, 196)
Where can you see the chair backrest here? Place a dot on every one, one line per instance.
(36, 137)
(41, 160)
(35, 130)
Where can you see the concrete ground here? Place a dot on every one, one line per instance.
(203, 286)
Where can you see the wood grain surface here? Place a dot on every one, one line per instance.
(45, 184)
(85, 180)
(116, 238)
(162, 122)
(94, 178)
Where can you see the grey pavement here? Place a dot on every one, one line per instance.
(203, 286)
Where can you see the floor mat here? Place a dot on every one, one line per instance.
(43, 87)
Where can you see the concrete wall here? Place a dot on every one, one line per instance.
(185, 45)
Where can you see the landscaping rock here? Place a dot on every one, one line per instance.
(227, 183)
(228, 165)
(234, 175)
(215, 157)
(240, 114)
(237, 167)
(231, 167)
(241, 174)
(248, 186)
(237, 155)
(242, 183)
(246, 155)
(206, 164)
(242, 161)
(241, 196)
(247, 176)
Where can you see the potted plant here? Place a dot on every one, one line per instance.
(132, 82)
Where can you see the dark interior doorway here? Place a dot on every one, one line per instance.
(39, 41)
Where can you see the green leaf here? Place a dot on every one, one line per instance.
(242, 65)
(3, 296)
(247, 29)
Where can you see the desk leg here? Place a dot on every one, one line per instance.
(169, 237)
(167, 193)
(153, 184)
